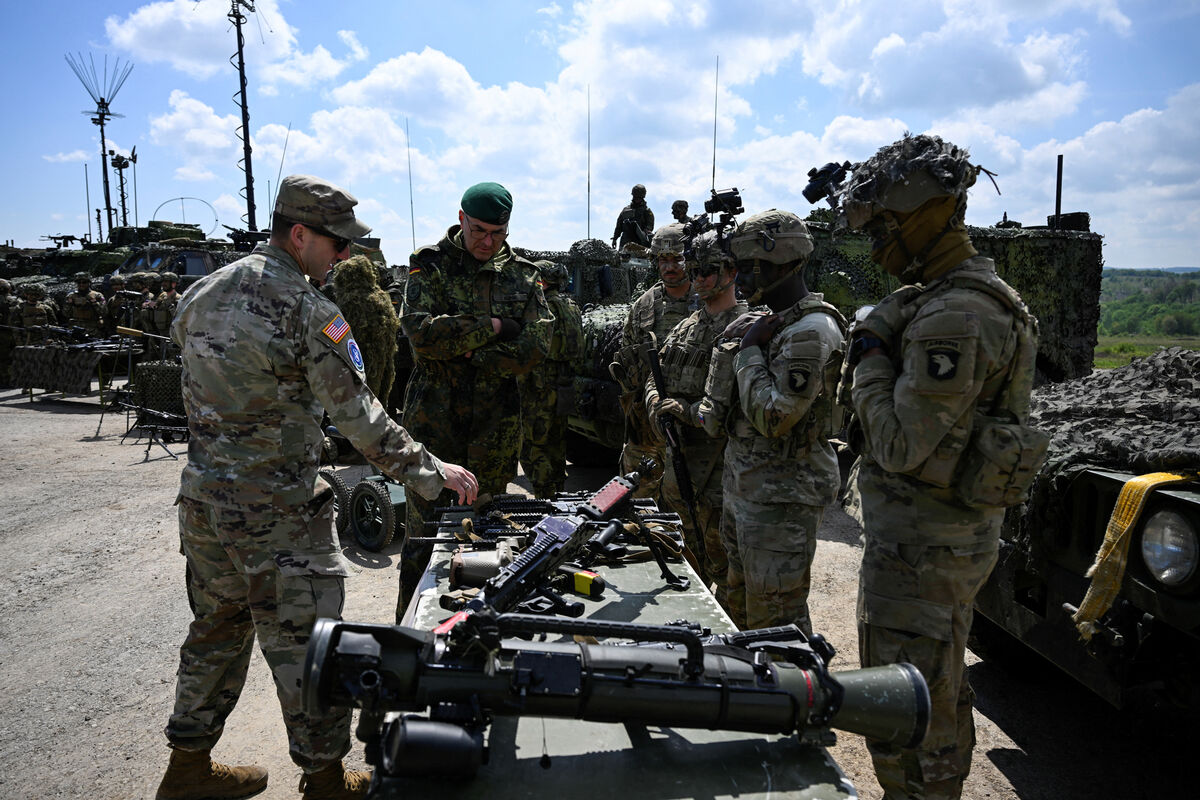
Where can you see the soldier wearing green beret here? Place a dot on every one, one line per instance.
(475, 318)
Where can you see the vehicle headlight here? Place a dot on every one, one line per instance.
(1170, 548)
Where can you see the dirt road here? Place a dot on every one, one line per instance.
(92, 611)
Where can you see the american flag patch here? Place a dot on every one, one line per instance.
(337, 329)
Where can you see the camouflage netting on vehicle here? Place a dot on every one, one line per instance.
(1142, 417)
(55, 369)
(602, 336)
(156, 231)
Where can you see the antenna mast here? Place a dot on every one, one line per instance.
(237, 18)
(103, 90)
(716, 82)
(120, 163)
(412, 211)
(589, 162)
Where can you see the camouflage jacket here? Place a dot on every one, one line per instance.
(918, 412)
(567, 339)
(642, 215)
(780, 423)
(655, 312)
(86, 309)
(264, 353)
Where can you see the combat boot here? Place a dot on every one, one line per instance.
(334, 782)
(193, 775)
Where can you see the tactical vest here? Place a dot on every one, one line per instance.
(164, 312)
(85, 309)
(688, 350)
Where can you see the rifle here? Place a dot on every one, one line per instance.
(557, 539)
(675, 444)
(771, 681)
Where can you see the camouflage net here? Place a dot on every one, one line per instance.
(158, 386)
(1139, 418)
(55, 368)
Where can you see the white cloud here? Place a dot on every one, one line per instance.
(200, 137)
(66, 158)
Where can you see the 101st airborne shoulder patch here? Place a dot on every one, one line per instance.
(941, 359)
(798, 377)
(337, 329)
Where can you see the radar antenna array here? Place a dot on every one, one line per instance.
(103, 88)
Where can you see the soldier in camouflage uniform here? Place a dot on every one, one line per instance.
(119, 308)
(635, 222)
(543, 415)
(158, 314)
(475, 318)
(369, 311)
(85, 307)
(930, 363)
(660, 308)
(9, 303)
(34, 314)
(264, 354)
(685, 356)
(771, 387)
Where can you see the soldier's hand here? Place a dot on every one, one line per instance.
(887, 321)
(761, 331)
(737, 329)
(462, 483)
(669, 406)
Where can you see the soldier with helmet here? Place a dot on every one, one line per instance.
(118, 309)
(543, 415)
(158, 314)
(679, 211)
(36, 311)
(933, 362)
(85, 306)
(771, 387)
(635, 222)
(685, 356)
(659, 309)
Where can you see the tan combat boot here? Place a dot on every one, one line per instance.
(192, 775)
(334, 782)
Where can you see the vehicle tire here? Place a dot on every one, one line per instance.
(372, 516)
(341, 499)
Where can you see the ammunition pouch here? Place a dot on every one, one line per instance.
(720, 380)
(1000, 463)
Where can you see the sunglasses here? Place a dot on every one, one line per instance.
(703, 270)
(340, 243)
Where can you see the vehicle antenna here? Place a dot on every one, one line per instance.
(412, 214)
(279, 174)
(103, 91)
(716, 80)
(589, 161)
(87, 193)
(238, 60)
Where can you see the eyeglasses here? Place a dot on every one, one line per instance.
(340, 243)
(498, 235)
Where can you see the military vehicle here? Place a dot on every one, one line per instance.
(558, 644)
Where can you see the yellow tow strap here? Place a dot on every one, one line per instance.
(1108, 570)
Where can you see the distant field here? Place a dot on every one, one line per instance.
(1117, 351)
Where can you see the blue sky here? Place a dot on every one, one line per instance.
(500, 91)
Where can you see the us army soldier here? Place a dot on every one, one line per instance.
(929, 363)
(545, 389)
(685, 356)
(85, 306)
(636, 220)
(771, 386)
(652, 316)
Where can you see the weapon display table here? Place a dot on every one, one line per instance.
(589, 759)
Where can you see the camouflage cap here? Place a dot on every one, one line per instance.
(487, 202)
(777, 237)
(316, 202)
(668, 239)
(903, 176)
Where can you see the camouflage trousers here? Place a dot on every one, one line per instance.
(544, 436)
(703, 537)
(771, 548)
(915, 605)
(267, 574)
(631, 455)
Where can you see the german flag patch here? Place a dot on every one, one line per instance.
(414, 269)
(336, 329)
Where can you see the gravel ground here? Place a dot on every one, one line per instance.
(93, 609)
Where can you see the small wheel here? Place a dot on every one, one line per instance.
(341, 499)
(372, 517)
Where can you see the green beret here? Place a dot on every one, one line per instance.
(487, 202)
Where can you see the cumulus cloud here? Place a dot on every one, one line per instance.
(66, 158)
(200, 137)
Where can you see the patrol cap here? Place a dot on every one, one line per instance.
(487, 202)
(316, 202)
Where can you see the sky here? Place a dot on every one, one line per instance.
(569, 104)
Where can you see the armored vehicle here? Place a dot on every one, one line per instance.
(1121, 491)
(561, 646)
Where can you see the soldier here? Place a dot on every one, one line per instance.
(660, 308)
(679, 211)
(771, 387)
(264, 354)
(635, 222)
(118, 309)
(85, 306)
(368, 310)
(35, 313)
(929, 362)
(158, 314)
(685, 355)
(475, 318)
(9, 304)
(547, 386)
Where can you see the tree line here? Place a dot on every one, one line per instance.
(1149, 302)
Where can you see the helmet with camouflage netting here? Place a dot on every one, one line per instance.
(36, 290)
(669, 239)
(709, 254)
(554, 276)
(776, 237)
(905, 175)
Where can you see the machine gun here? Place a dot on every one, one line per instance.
(558, 538)
(772, 681)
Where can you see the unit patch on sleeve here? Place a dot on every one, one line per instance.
(355, 354)
(336, 329)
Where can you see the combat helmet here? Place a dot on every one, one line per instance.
(776, 237)
(168, 276)
(5, 286)
(83, 277)
(709, 253)
(668, 239)
(36, 290)
(116, 280)
(554, 276)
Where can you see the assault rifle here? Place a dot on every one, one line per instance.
(670, 431)
(772, 681)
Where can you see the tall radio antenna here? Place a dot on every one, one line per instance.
(238, 60)
(716, 84)
(103, 89)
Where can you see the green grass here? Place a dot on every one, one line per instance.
(1117, 351)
